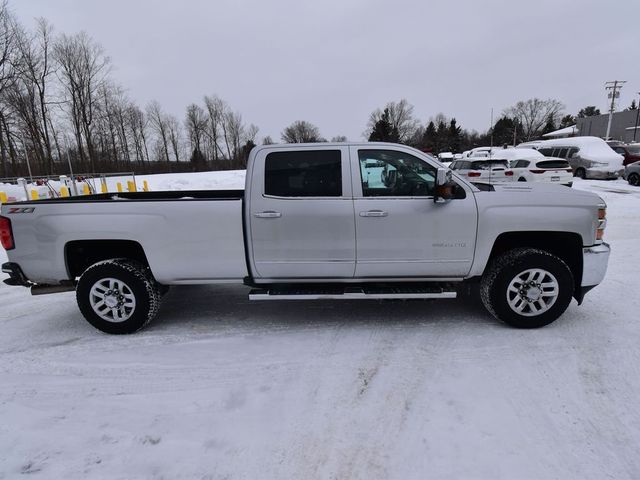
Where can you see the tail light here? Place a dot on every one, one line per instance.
(602, 222)
(537, 171)
(6, 234)
(570, 170)
(509, 173)
(473, 174)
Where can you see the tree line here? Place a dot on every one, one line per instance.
(59, 104)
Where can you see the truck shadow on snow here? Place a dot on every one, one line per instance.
(228, 306)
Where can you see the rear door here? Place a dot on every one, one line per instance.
(301, 213)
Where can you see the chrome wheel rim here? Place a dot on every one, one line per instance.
(532, 292)
(112, 300)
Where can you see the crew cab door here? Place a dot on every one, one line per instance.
(300, 213)
(400, 230)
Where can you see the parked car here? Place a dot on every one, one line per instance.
(552, 170)
(631, 153)
(483, 170)
(632, 174)
(316, 221)
(589, 157)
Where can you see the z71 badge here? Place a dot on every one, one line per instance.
(21, 210)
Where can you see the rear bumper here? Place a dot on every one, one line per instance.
(594, 264)
(16, 276)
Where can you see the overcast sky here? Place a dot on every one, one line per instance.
(333, 62)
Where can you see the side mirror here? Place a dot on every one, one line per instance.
(444, 186)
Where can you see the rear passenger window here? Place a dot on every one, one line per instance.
(316, 173)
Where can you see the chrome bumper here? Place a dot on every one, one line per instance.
(594, 264)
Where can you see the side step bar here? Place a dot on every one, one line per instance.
(351, 293)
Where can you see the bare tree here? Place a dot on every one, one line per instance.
(83, 68)
(7, 53)
(251, 133)
(233, 133)
(216, 111)
(30, 93)
(301, 131)
(196, 125)
(400, 116)
(174, 135)
(159, 123)
(339, 139)
(534, 113)
(267, 140)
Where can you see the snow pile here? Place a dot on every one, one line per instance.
(220, 387)
(591, 148)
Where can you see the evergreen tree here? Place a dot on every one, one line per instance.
(429, 137)
(383, 131)
(550, 126)
(198, 161)
(567, 121)
(588, 111)
(454, 136)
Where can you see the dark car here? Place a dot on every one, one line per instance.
(631, 153)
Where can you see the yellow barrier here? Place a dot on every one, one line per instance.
(3, 198)
(64, 191)
(104, 187)
(145, 186)
(119, 185)
(85, 189)
(34, 195)
(131, 186)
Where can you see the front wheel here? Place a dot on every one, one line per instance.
(118, 296)
(527, 288)
(581, 173)
(634, 179)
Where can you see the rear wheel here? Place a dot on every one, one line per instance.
(581, 173)
(634, 179)
(527, 288)
(118, 296)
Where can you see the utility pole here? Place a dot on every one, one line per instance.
(614, 92)
(635, 130)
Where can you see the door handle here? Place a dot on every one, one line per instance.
(374, 213)
(268, 214)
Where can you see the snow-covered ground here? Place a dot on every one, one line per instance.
(219, 387)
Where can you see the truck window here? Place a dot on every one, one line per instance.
(314, 173)
(390, 173)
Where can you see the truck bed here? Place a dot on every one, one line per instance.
(187, 236)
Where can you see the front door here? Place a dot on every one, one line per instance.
(301, 214)
(400, 230)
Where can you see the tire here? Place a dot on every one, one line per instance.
(634, 179)
(132, 305)
(581, 173)
(507, 296)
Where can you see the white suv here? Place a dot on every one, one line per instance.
(483, 170)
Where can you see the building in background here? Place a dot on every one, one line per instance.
(623, 126)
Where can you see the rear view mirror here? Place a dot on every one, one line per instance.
(444, 186)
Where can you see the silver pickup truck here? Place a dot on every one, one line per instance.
(318, 221)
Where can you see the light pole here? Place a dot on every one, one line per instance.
(635, 129)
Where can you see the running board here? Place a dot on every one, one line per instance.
(350, 293)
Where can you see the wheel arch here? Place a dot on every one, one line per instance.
(81, 254)
(565, 245)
